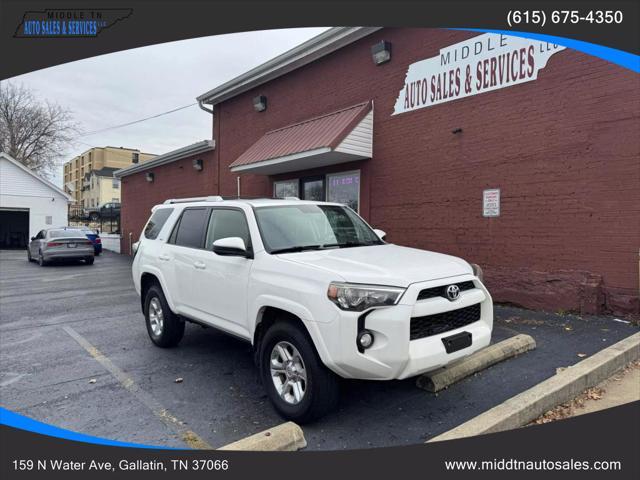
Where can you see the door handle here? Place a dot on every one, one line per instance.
(164, 258)
(199, 265)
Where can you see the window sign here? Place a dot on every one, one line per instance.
(344, 188)
(286, 188)
(491, 203)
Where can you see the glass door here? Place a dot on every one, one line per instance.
(312, 188)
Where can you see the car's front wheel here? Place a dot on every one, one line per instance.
(165, 328)
(300, 387)
(41, 261)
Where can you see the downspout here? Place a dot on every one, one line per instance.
(217, 155)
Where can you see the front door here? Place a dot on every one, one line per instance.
(312, 188)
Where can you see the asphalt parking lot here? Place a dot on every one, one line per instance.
(74, 353)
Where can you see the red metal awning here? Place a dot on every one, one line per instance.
(336, 137)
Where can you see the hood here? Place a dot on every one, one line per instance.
(382, 264)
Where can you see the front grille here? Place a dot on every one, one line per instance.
(441, 290)
(429, 325)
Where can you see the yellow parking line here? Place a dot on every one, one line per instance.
(189, 437)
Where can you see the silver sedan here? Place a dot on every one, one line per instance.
(60, 244)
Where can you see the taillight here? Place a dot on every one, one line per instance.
(54, 244)
(98, 240)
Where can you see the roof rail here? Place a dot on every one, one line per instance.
(210, 198)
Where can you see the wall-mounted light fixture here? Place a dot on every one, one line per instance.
(381, 52)
(455, 131)
(197, 164)
(260, 103)
(150, 177)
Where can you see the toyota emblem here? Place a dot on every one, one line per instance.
(453, 292)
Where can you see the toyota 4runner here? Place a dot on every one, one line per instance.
(317, 292)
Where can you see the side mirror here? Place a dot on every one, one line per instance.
(33, 238)
(381, 233)
(230, 247)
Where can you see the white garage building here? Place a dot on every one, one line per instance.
(28, 203)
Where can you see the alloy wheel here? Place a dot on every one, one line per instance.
(156, 316)
(288, 372)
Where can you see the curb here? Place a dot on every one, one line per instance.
(446, 376)
(287, 437)
(562, 387)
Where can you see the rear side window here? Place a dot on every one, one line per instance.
(156, 222)
(192, 226)
(227, 223)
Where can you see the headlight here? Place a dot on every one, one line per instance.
(477, 271)
(357, 298)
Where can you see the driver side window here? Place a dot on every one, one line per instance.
(227, 223)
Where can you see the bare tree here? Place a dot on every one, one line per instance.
(34, 132)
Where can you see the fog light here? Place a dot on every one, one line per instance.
(365, 339)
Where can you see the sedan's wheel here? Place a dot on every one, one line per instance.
(288, 372)
(41, 261)
(29, 255)
(298, 384)
(165, 328)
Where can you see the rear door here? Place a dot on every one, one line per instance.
(180, 256)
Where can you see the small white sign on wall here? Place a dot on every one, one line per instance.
(491, 202)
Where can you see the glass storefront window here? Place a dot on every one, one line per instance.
(286, 188)
(344, 188)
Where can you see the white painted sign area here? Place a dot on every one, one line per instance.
(488, 62)
(491, 202)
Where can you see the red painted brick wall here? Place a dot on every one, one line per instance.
(563, 149)
(173, 180)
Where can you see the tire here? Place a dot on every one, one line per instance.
(321, 388)
(41, 261)
(167, 330)
(94, 217)
(29, 258)
(89, 260)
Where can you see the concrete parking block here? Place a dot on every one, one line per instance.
(562, 387)
(446, 376)
(287, 437)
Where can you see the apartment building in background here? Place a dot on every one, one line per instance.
(100, 187)
(77, 171)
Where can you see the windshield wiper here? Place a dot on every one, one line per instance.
(298, 248)
(348, 244)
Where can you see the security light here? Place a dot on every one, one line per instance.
(381, 52)
(260, 103)
(197, 164)
(150, 177)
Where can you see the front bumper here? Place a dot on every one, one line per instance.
(393, 355)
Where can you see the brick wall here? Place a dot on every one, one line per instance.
(563, 149)
(173, 180)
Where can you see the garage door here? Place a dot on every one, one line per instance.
(14, 228)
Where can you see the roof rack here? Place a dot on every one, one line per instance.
(210, 198)
(218, 198)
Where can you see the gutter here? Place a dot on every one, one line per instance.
(169, 157)
(317, 47)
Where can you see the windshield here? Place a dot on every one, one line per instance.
(294, 228)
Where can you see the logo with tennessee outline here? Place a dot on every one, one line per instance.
(69, 23)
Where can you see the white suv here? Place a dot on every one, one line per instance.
(317, 291)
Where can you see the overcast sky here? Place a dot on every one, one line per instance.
(126, 86)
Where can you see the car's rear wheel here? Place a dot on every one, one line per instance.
(89, 260)
(165, 328)
(94, 217)
(298, 384)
